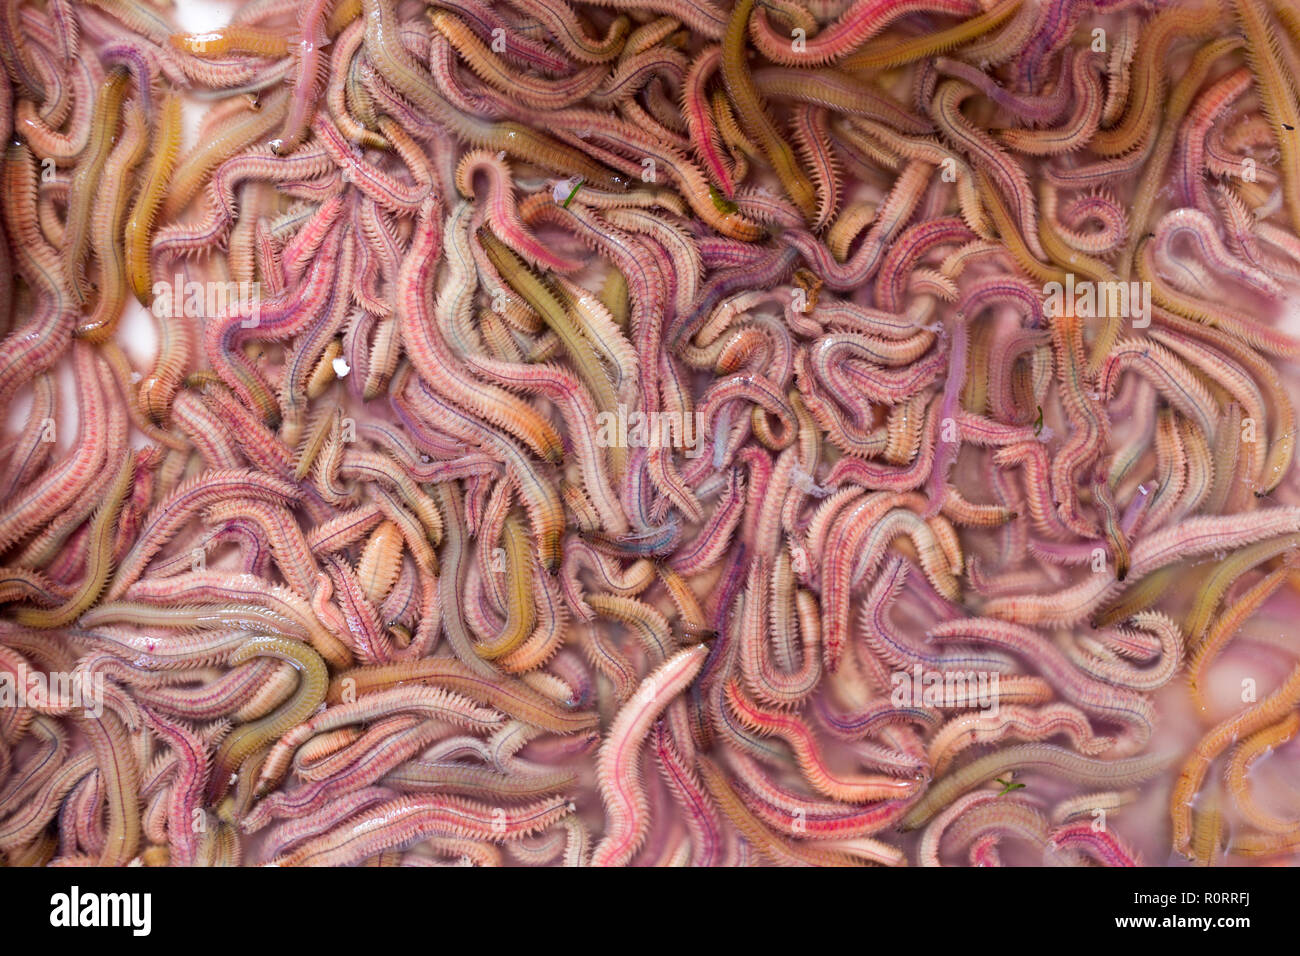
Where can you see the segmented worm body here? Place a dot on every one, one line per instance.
(649, 432)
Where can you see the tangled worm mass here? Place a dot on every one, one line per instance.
(650, 432)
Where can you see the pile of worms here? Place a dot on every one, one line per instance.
(650, 432)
